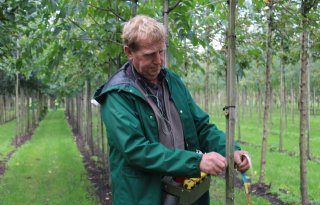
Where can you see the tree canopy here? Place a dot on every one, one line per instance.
(63, 43)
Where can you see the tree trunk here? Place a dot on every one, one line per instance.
(78, 113)
(285, 98)
(2, 109)
(308, 108)
(282, 106)
(206, 80)
(166, 26)
(231, 102)
(271, 106)
(303, 117)
(134, 7)
(89, 116)
(23, 119)
(17, 110)
(29, 116)
(267, 95)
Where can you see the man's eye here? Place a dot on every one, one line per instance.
(149, 55)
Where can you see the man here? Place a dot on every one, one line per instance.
(154, 127)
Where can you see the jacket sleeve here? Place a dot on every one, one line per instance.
(126, 136)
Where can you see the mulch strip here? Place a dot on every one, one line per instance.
(98, 175)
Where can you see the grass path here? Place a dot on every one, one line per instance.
(47, 170)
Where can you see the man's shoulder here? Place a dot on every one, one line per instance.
(120, 79)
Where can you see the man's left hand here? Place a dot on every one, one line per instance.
(241, 160)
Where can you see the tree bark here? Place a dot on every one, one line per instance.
(166, 26)
(206, 80)
(308, 109)
(282, 105)
(134, 7)
(267, 95)
(17, 110)
(89, 117)
(231, 102)
(303, 117)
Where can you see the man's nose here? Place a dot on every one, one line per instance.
(158, 58)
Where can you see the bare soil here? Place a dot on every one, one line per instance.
(262, 190)
(98, 175)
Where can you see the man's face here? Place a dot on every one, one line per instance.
(148, 59)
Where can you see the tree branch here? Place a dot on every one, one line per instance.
(76, 24)
(108, 10)
(174, 6)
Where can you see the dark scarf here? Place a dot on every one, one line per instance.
(168, 120)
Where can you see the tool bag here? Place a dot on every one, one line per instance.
(184, 193)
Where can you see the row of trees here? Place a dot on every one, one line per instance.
(65, 43)
(22, 100)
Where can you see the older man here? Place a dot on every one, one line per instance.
(154, 127)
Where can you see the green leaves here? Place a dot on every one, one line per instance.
(64, 42)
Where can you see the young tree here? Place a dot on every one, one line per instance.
(231, 102)
(270, 4)
(306, 6)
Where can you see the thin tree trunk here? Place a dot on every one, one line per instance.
(271, 107)
(308, 108)
(285, 98)
(231, 102)
(267, 95)
(282, 106)
(303, 117)
(166, 26)
(2, 109)
(77, 113)
(206, 80)
(17, 110)
(134, 7)
(89, 116)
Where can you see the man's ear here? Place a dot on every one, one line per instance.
(128, 51)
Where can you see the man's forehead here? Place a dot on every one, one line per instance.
(151, 47)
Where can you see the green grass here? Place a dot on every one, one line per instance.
(7, 134)
(48, 169)
(282, 169)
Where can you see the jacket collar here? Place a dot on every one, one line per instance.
(124, 77)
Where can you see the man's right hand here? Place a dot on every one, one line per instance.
(213, 163)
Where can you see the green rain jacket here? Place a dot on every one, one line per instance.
(137, 160)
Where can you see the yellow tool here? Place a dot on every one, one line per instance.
(192, 182)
